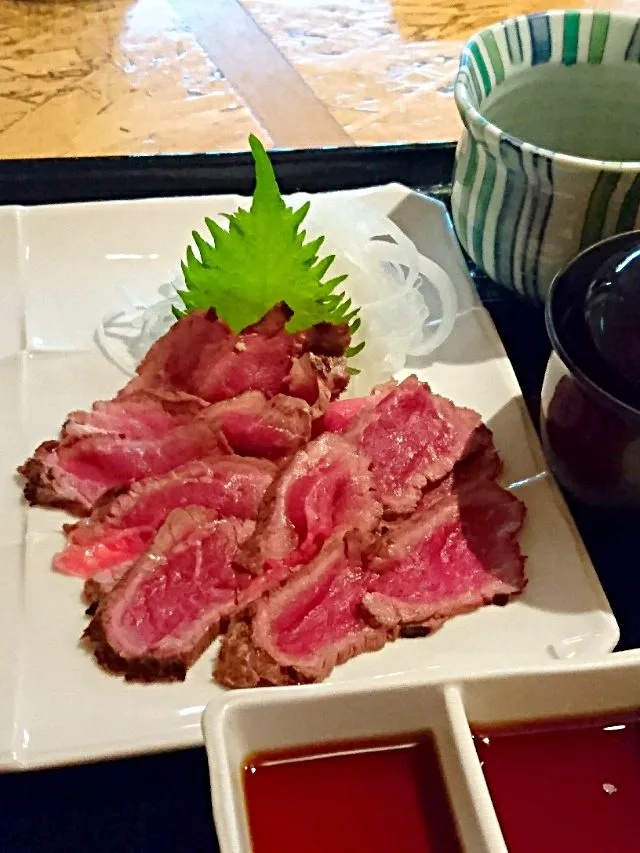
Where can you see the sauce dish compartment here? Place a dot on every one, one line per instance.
(556, 700)
(249, 722)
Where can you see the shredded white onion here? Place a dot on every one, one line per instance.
(125, 336)
(393, 285)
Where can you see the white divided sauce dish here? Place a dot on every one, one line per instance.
(239, 725)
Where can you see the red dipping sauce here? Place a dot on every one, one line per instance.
(566, 786)
(374, 797)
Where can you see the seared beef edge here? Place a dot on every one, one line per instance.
(149, 668)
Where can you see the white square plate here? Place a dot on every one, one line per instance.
(60, 269)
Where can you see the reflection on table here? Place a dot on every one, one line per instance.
(159, 76)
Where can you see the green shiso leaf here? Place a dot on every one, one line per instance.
(262, 259)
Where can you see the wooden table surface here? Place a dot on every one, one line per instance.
(92, 77)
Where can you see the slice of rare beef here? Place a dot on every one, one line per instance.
(201, 356)
(75, 473)
(340, 414)
(257, 426)
(448, 558)
(258, 359)
(197, 360)
(249, 424)
(301, 631)
(96, 587)
(169, 606)
(119, 531)
(412, 437)
(141, 416)
(481, 465)
(325, 487)
(174, 357)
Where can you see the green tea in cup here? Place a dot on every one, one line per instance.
(549, 159)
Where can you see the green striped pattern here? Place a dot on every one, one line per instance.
(570, 37)
(512, 211)
(598, 36)
(498, 52)
(599, 201)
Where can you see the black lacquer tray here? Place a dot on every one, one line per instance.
(161, 803)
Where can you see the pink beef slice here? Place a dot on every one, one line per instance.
(143, 416)
(96, 587)
(75, 473)
(120, 531)
(340, 414)
(301, 631)
(412, 437)
(175, 356)
(482, 461)
(326, 487)
(170, 605)
(198, 361)
(448, 558)
(481, 465)
(249, 424)
(200, 355)
(256, 426)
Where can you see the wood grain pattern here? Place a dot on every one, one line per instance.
(111, 77)
(90, 77)
(278, 95)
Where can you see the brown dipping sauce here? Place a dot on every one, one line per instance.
(566, 786)
(382, 796)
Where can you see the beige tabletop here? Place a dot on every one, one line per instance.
(95, 77)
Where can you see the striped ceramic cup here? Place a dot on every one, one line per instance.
(549, 159)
